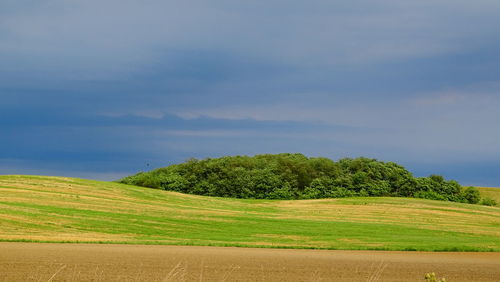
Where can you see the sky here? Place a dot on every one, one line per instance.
(104, 89)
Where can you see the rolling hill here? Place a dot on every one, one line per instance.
(57, 209)
(490, 192)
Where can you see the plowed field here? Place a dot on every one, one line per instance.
(94, 262)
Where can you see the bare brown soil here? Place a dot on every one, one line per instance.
(88, 262)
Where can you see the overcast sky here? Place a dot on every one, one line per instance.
(102, 89)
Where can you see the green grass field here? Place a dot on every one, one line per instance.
(56, 209)
(492, 193)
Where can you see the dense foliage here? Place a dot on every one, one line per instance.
(295, 176)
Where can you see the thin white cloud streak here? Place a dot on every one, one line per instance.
(19, 167)
(208, 133)
(436, 124)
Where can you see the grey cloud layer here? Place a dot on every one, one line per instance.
(100, 38)
(96, 84)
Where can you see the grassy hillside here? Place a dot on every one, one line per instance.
(492, 193)
(58, 209)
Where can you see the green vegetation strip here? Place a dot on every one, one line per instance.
(51, 209)
(295, 176)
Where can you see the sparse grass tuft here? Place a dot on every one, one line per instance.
(431, 277)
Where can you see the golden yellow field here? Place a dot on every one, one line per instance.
(55, 209)
(490, 192)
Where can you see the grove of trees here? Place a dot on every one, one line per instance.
(295, 176)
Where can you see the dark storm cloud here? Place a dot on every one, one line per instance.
(103, 87)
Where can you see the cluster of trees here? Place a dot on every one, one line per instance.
(295, 176)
